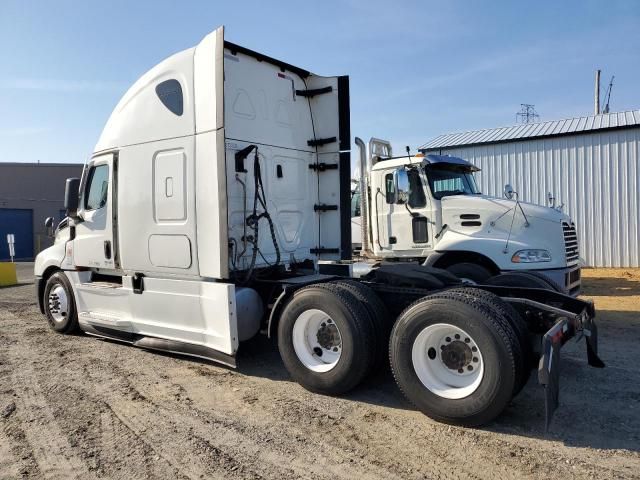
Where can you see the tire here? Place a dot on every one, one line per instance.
(60, 310)
(470, 272)
(322, 305)
(379, 316)
(505, 312)
(482, 394)
(524, 279)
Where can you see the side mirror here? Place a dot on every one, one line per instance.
(401, 183)
(72, 197)
(509, 192)
(48, 225)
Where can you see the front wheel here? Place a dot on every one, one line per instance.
(527, 279)
(59, 304)
(453, 360)
(470, 273)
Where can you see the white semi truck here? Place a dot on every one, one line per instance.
(216, 207)
(429, 208)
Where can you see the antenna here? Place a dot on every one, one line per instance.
(527, 113)
(607, 95)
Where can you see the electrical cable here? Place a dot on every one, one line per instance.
(253, 220)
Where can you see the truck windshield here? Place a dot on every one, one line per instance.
(451, 180)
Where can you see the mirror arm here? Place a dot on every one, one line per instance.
(413, 214)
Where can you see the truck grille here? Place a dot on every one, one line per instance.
(570, 242)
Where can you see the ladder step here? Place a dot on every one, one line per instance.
(321, 250)
(324, 208)
(321, 167)
(314, 91)
(318, 142)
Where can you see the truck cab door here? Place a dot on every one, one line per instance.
(410, 223)
(93, 245)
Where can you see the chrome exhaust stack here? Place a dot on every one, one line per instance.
(364, 197)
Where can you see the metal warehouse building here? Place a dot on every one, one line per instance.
(589, 164)
(29, 193)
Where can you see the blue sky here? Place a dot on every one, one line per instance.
(417, 68)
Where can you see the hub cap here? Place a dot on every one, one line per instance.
(447, 361)
(317, 340)
(58, 303)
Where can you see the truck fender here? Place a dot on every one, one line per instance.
(432, 259)
(447, 258)
(277, 308)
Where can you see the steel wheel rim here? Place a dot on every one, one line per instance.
(58, 303)
(448, 361)
(317, 340)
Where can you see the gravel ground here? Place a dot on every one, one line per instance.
(80, 407)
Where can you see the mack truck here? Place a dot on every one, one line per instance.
(216, 207)
(428, 208)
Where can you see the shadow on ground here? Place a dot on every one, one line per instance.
(599, 408)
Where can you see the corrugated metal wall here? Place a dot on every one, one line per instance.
(596, 176)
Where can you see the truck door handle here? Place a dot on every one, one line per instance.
(107, 249)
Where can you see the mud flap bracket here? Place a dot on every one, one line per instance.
(549, 368)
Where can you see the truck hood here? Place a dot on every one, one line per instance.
(488, 207)
(489, 225)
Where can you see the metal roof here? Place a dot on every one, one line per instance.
(605, 121)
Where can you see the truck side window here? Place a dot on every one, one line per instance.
(170, 94)
(417, 197)
(355, 204)
(95, 196)
(390, 188)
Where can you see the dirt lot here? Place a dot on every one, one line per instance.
(80, 407)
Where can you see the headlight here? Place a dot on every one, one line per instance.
(531, 256)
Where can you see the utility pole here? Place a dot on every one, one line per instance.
(596, 103)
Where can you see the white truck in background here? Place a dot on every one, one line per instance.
(429, 208)
(216, 207)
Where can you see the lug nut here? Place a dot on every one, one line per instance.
(474, 349)
(448, 339)
(457, 336)
(466, 340)
(475, 359)
(460, 370)
(470, 367)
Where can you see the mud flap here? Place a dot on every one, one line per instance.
(549, 368)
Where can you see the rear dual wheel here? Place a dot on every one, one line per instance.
(327, 338)
(456, 358)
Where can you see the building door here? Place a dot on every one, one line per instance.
(19, 222)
